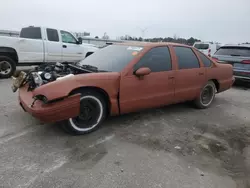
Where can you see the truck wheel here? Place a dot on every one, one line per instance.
(206, 96)
(7, 67)
(93, 110)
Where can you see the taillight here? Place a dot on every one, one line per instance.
(246, 61)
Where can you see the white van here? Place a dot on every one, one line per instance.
(208, 48)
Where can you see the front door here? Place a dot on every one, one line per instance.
(190, 76)
(72, 51)
(153, 90)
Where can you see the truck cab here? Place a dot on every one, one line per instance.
(36, 45)
(208, 48)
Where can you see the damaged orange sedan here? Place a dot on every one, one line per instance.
(119, 79)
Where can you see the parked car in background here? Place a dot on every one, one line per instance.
(37, 45)
(208, 48)
(238, 56)
(124, 78)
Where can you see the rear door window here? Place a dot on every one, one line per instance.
(201, 46)
(205, 60)
(234, 51)
(186, 58)
(52, 35)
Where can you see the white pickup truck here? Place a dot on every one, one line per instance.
(36, 45)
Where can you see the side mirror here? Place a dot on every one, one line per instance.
(142, 71)
(79, 40)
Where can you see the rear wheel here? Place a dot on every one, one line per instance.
(7, 67)
(206, 96)
(93, 110)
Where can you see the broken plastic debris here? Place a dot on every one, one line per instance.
(177, 147)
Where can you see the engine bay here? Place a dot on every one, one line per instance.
(49, 72)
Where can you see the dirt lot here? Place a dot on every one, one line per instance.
(176, 146)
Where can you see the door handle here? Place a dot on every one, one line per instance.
(171, 77)
(64, 46)
(201, 73)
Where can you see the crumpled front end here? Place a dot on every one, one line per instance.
(49, 111)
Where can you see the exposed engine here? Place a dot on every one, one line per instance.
(46, 73)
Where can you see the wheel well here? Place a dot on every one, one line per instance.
(97, 89)
(217, 85)
(9, 52)
(89, 53)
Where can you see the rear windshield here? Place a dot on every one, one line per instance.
(234, 51)
(112, 58)
(201, 46)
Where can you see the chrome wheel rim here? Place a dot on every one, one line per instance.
(5, 67)
(91, 112)
(207, 95)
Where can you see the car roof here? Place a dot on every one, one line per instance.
(237, 45)
(211, 43)
(150, 44)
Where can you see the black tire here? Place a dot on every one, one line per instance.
(203, 103)
(72, 125)
(10, 63)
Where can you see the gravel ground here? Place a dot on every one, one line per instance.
(176, 146)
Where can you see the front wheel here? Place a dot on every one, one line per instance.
(93, 110)
(206, 96)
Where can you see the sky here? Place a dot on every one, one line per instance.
(225, 21)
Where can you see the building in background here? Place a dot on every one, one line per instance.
(9, 33)
(81, 34)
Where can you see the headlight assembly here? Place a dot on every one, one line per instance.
(37, 79)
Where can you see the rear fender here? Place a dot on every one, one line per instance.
(10, 52)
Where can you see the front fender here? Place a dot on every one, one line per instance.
(108, 82)
(90, 49)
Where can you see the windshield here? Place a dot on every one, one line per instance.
(201, 46)
(234, 51)
(112, 58)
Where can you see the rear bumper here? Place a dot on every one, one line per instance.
(57, 111)
(243, 78)
(226, 84)
(242, 74)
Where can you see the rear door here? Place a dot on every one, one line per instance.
(31, 45)
(237, 56)
(72, 51)
(153, 90)
(190, 76)
(54, 46)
